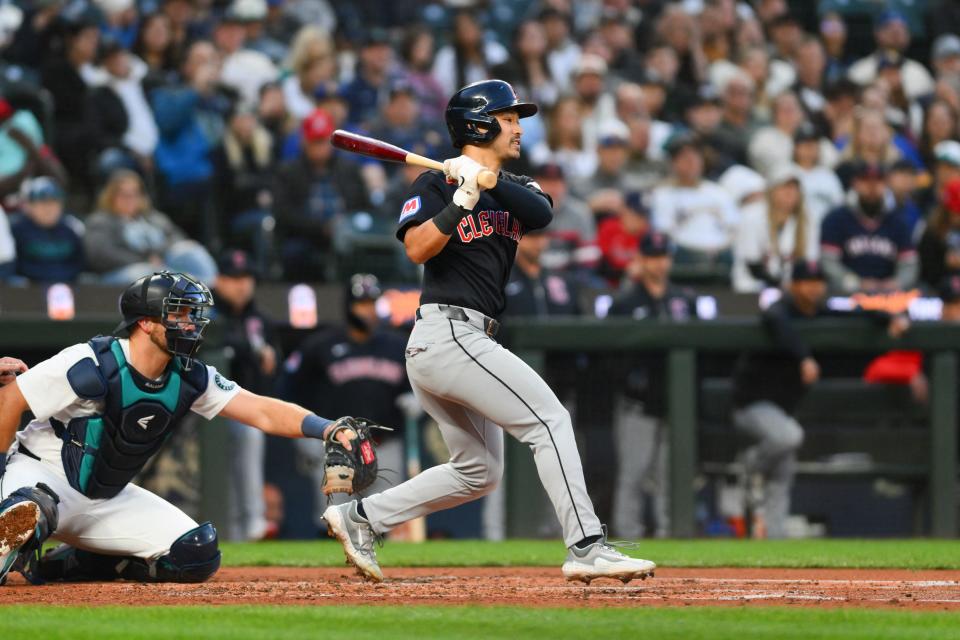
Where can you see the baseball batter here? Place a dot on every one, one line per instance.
(474, 388)
(101, 410)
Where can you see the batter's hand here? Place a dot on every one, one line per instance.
(9, 368)
(455, 168)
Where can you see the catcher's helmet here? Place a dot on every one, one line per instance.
(470, 111)
(165, 294)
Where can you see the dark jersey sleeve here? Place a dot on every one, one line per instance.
(831, 233)
(428, 196)
(776, 318)
(524, 199)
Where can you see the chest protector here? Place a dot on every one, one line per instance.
(102, 453)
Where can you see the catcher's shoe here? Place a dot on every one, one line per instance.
(357, 537)
(602, 560)
(18, 523)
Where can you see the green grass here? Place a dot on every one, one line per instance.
(880, 554)
(360, 623)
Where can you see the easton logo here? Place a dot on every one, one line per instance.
(144, 422)
(410, 207)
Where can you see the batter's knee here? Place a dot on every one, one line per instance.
(481, 479)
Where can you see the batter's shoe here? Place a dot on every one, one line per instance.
(602, 560)
(18, 523)
(357, 537)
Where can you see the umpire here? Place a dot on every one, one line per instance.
(249, 343)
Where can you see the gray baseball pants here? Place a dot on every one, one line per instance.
(475, 389)
(774, 456)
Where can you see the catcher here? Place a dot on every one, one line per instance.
(101, 410)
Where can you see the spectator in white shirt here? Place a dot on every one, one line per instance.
(892, 34)
(698, 214)
(774, 232)
(821, 186)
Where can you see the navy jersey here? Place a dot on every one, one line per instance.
(474, 267)
(548, 294)
(334, 376)
(870, 248)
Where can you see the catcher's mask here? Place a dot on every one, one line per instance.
(181, 304)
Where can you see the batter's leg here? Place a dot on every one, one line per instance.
(474, 469)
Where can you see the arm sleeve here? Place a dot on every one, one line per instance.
(527, 203)
(784, 334)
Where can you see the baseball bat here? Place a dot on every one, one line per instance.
(381, 150)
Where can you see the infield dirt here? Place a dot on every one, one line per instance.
(519, 586)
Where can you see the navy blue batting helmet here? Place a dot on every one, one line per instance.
(470, 111)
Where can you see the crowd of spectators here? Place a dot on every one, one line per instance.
(144, 133)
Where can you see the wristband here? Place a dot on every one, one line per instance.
(313, 426)
(448, 219)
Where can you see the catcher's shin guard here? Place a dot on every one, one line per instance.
(194, 557)
(27, 518)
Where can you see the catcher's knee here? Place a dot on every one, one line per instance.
(194, 557)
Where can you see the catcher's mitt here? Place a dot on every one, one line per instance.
(355, 470)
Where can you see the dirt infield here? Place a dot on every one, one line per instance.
(523, 586)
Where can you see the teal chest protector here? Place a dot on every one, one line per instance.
(102, 453)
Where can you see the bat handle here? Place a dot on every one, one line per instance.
(487, 179)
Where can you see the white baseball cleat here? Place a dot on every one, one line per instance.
(602, 560)
(18, 522)
(357, 537)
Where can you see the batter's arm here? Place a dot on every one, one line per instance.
(12, 406)
(279, 418)
(423, 241)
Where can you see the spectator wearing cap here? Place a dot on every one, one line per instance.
(121, 113)
(864, 246)
(49, 242)
(537, 291)
(376, 72)
(833, 34)
(23, 152)
(416, 54)
(127, 238)
(191, 119)
(639, 414)
(596, 104)
(120, 20)
(563, 52)
(572, 218)
(244, 166)
(310, 193)
(527, 70)
(244, 69)
(254, 14)
(939, 246)
(945, 58)
(249, 339)
(469, 57)
(619, 234)
(565, 143)
(613, 154)
(704, 115)
(73, 135)
(822, 189)
(769, 385)
(891, 33)
(312, 65)
(774, 232)
(697, 213)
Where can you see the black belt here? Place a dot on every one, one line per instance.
(490, 326)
